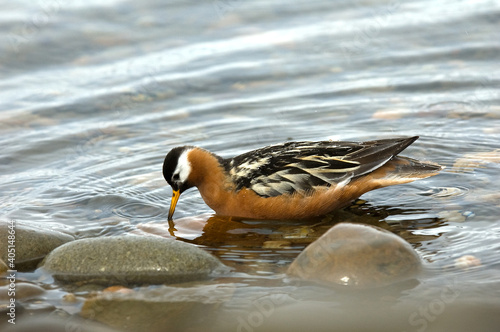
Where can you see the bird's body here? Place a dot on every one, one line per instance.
(293, 180)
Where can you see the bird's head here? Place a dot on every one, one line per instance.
(176, 170)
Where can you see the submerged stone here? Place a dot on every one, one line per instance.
(31, 244)
(23, 291)
(162, 308)
(41, 322)
(469, 162)
(358, 256)
(130, 260)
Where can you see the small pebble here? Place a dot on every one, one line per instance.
(453, 216)
(476, 160)
(124, 150)
(276, 244)
(491, 130)
(39, 307)
(70, 298)
(494, 112)
(390, 114)
(118, 289)
(23, 291)
(299, 233)
(468, 214)
(467, 261)
(239, 86)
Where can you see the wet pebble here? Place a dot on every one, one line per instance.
(467, 261)
(32, 243)
(158, 309)
(455, 215)
(125, 260)
(38, 307)
(276, 244)
(23, 291)
(118, 289)
(484, 195)
(49, 323)
(70, 298)
(471, 161)
(358, 256)
(390, 113)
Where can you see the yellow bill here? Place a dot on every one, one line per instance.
(175, 197)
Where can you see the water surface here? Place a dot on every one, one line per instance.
(95, 93)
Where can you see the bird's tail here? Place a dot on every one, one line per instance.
(404, 170)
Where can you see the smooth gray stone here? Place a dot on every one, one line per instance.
(32, 244)
(130, 260)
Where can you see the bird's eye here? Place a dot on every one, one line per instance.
(175, 177)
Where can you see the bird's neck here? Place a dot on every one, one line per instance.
(206, 168)
(208, 174)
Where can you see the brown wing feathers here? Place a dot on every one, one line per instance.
(303, 166)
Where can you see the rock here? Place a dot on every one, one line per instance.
(39, 307)
(322, 316)
(358, 256)
(276, 244)
(130, 260)
(118, 289)
(70, 298)
(158, 309)
(45, 323)
(32, 243)
(471, 161)
(390, 113)
(467, 261)
(23, 291)
(454, 215)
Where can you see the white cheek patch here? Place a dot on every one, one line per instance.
(183, 166)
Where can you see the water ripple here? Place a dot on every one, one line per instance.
(139, 210)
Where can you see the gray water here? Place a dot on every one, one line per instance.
(93, 94)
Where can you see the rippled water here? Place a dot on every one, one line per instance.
(95, 93)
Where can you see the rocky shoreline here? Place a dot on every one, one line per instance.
(148, 282)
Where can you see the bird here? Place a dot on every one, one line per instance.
(291, 180)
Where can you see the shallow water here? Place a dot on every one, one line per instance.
(94, 94)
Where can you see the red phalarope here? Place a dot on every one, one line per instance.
(293, 180)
